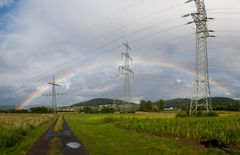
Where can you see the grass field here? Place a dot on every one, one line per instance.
(19, 131)
(101, 135)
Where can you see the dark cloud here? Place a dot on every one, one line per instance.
(8, 95)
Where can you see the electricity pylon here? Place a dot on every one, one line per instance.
(128, 74)
(201, 97)
(54, 94)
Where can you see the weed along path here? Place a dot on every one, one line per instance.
(57, 140)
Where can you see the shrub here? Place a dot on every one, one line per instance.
(181, 115)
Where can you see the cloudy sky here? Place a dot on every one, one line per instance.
(80, 41)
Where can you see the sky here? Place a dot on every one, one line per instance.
(80, 43)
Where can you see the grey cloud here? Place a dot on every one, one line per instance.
(47, 33)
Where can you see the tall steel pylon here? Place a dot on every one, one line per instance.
(128, 74)
(54, 94)
(201, 97)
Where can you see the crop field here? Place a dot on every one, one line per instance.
(19, 131)
(155, 133)
(225, 130)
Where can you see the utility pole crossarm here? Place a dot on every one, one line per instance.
(53, 84)
(126, 55)
(127, 46)
(124, 68)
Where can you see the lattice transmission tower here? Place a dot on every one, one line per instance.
(128, 74)
(54, 94)
(201, 97)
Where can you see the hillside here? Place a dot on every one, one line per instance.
(101, 101)
(222, 103)
(179, 102)
(218, 103)
(224, 100)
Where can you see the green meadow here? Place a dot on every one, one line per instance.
(155, 134)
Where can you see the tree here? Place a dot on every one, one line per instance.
(87, 110)
(146, 105)
(41, 110)
(149, 106)
(160, 105)
(107, 110)
(143, 105)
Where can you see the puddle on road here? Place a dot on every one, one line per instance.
(48, 135)
(66, 133)
(73, 145)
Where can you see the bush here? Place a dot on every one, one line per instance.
(128, 111)
(212, 114)
(89, 110)
(204, 114)
(107, 110)
(181, 115)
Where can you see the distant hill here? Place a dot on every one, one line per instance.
(218, 103)
(179, 102)
(224, 100)
(101, 101)
(223, 103)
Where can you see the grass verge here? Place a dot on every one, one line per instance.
(59, 125)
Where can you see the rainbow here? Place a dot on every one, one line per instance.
(164, 63)
(137, 61)
(61, 79)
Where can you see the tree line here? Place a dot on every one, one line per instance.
(149, 106)
(31, 110)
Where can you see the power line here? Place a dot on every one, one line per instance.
(162, 31)
(104, 45)
(222, 9)
(233, 12)
(128, 24)
(163, 41)
(87, 28)
(138, 49)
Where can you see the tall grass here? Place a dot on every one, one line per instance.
(14, 128)
(224, 129)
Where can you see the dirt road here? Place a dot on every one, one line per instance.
(57, 143)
